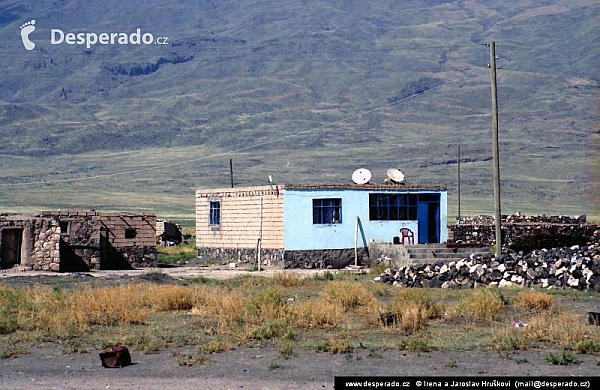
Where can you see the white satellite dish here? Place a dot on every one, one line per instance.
(395, 175)
(361, 176)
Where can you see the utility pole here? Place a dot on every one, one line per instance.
(496, 154)
(458, 177)
(231, 171)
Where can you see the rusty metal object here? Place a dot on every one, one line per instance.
(115, 357)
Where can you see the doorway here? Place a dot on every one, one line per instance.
(11, 247)
(428, 215)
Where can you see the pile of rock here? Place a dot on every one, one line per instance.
(575, 267)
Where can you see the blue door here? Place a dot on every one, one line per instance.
(428, 215)
(423, 217)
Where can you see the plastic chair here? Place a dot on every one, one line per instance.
(407, 233)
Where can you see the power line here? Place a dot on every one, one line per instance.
(244, 148)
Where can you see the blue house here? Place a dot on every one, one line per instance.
(318, 224)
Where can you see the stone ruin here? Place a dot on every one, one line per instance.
(76, 240)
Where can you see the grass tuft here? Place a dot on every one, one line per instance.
(413, 308)
(563, 359)
(482, 303)
(533, 300)
(348, 295)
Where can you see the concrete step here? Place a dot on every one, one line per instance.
(424, 253)
(437, 255)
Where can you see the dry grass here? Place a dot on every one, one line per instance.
(413, 308)
(225, 307)
(288, 279)
(318, 313)
(349, 295)
(257, 311)
(481, 303)
(566, 330)
(534, 300)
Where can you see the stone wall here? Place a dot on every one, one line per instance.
(482, 229)
(325, 258)
(98, 240)
(80, 244)
(269, 257)
(40, 242)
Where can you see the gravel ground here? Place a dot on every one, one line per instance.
(247, 368)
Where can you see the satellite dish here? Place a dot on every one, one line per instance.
(361, 176)
(395, 175)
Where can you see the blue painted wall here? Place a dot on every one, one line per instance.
(301, 234)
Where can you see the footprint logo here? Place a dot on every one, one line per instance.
(27, 29)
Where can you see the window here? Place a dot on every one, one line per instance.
(392, 207)
(327, 211)
(65, 228)
(130, 233)
(214, 214)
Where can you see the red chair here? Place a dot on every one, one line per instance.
(407, 233)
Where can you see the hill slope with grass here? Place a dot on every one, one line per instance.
(280, 87)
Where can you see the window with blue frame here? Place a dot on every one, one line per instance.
(392, 207)
(214, 213)
(327, 211)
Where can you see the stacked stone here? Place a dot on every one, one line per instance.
(519, 218)
(575, 267)
(481, 229)
(46, 250)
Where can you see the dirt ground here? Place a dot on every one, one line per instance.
(48, 367)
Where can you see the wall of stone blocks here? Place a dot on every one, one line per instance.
(269, 257)
(323, 259)
(40, 241)
(486, 234)
(100, 240)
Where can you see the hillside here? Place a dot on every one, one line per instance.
(279, 86)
